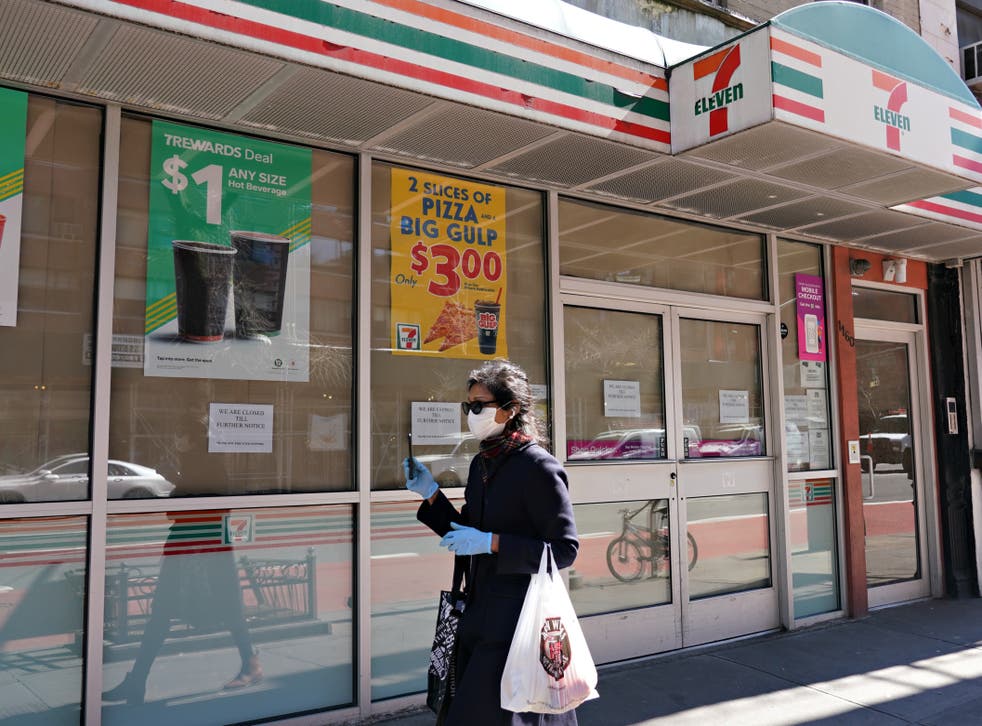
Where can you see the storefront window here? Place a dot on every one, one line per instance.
(458, 277)
(898, 307)
(48, 232)
(232, 328)
(228, 616)
(409, 569)
(812, 502)
(615, 400)
(42, 604)
(804, 349)
(624, 561)
(722, 397)
(813, 548)
(605, 243)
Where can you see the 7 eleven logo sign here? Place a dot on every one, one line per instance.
(721, 66)
(890, 115)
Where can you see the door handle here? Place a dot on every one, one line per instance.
(673, 476)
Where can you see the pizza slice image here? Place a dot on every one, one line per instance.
(456, 324)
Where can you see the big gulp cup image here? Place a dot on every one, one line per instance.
(259, 282)
(202, 279)
(488, 313)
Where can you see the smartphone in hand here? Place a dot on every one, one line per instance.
(412, 461)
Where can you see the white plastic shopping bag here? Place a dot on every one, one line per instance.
(549, 667)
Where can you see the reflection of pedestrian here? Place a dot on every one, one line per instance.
(516, 501)
(202, 590)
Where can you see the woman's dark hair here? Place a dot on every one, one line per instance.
(510, 387)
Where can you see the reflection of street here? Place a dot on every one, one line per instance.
(890, 517)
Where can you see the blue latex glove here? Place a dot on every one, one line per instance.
(463, 540)
(422, 483)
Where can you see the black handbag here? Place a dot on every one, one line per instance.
(441, 677)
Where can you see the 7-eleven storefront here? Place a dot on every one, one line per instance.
(722, 275)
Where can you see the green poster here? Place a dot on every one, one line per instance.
(228, 259)
(13, 131)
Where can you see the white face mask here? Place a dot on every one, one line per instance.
(483, 425)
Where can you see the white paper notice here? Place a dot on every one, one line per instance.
(818, 449)
(796, 409)
(622, 398)
(242, 428)
(818, 409)
(328, 433)
(797, 442)
(812, 374)
(734, 406)
(435, 423)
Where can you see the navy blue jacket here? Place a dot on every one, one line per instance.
(526, 503)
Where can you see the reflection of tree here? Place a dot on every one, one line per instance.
(330, 365)
(595, 345)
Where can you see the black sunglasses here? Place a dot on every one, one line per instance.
(477, 406)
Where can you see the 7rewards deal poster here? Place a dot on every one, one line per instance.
(448, 277)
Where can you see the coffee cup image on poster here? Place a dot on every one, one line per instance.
(254, 268)
(228, 270)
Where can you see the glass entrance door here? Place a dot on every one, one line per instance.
(665, 446)
(886, 379)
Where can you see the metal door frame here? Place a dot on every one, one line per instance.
(637, 632)
(912, 336)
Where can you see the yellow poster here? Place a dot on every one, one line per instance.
(448, 275)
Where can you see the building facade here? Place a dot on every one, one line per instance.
(246, 250)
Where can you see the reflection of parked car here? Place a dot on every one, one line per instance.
(451, 469)
(67, 478)
(889, 441)
(742, 440)
(625, 444)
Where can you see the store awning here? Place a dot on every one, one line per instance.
(460, 88)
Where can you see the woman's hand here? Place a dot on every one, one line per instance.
(423, 483)
(463, 540)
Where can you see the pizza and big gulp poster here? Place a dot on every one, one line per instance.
(448, 272)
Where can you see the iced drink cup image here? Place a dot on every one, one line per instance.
(488, 313)
(259, 282)
(202, 278)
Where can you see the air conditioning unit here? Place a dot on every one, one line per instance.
(972, 66)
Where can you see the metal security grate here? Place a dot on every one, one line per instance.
(736, 198)
(932, 233)
(666, 179)
(917, 183)
(326, 105)
(39, 42)
(765, 146)
(465, 137)
(209, 81)
(865, 225)
(573, 160)
(841, 167)
(807, 211)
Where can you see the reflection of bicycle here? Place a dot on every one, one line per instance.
(628, 553)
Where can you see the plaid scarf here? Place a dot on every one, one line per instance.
(495, 449)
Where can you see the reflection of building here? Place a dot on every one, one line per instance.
(653, 224)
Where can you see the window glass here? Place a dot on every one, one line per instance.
(45, 369)
(814, 558)
(228, 616)
(898, 307)
(449, 255)
(172, 429)
(615, 401)
(605, 243)
(633, 542)
(743, 561)
(722, 400)
(409, 569)
(804, 352)
(42, 606)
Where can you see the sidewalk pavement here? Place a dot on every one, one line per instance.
(915, 664)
